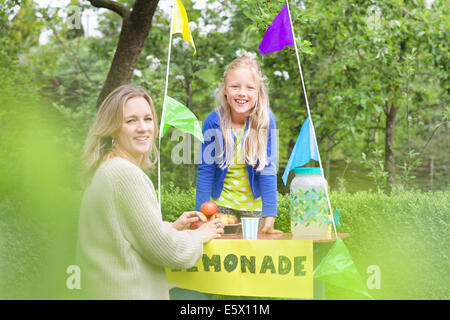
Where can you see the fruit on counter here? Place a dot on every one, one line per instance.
(232, 219)
(209, 208)
(203, 217)
(225, 218)
(198, 224)
(220, 216)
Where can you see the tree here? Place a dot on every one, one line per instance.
(401, 44)
(193, 79)
(136, 24)
(339, 110)
(365, 65)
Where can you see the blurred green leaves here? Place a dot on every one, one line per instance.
(39, 194)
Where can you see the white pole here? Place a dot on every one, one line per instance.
(164, 105)
(311, 121)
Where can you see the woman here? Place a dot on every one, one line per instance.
(123, 243)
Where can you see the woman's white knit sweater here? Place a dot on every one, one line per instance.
(123, 243)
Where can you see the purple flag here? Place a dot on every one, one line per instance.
(279, 34)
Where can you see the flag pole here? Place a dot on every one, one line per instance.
(164, 104)
(310, 119)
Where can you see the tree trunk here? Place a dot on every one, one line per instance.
(431, 172)
(189, 94)
(135, 28)
(391, 113)
(389, 160)
(328, 161)
(189, 103)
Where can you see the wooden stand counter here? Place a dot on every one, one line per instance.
(284, 236)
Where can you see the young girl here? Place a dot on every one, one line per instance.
(238, 158)
(237, 169)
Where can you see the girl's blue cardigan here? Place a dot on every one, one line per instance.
(210, 177)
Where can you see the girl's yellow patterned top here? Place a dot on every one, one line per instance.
(236, 193)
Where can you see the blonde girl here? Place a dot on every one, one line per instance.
(238, 165)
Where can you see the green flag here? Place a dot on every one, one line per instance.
(338, 269)
(179, 116)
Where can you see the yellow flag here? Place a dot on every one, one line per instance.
(180, 23)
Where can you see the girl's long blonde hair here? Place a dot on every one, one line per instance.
(107, 122)
(255, 140)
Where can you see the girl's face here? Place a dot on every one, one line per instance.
(136, 135)
(241, 91)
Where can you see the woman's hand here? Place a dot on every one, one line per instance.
(186, 219)
(267, 226)
(211, 230)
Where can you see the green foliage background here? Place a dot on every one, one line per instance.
(405, 235)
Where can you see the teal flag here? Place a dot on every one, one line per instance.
(304, 150)
(177, 115)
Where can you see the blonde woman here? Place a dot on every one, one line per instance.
(237, 169)
(123, 243)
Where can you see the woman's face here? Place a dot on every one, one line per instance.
(136, 135)
(241, 90)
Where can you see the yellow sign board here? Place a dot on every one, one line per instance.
(264, 268)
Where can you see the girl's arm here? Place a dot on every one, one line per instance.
(207, 166)
(268, 176)
(268, 181)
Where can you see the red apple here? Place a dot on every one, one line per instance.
(203, 217)
(209, 208)
(196, 225)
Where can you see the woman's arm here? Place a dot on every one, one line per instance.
(141, 221)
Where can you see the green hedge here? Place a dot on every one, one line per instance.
(405, 235)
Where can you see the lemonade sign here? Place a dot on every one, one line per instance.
(265, 268)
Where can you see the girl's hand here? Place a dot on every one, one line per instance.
(211, 230)
(186, 219)
(267, 226)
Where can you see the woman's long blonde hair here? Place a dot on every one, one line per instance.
(107, 122)
(255, 140)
